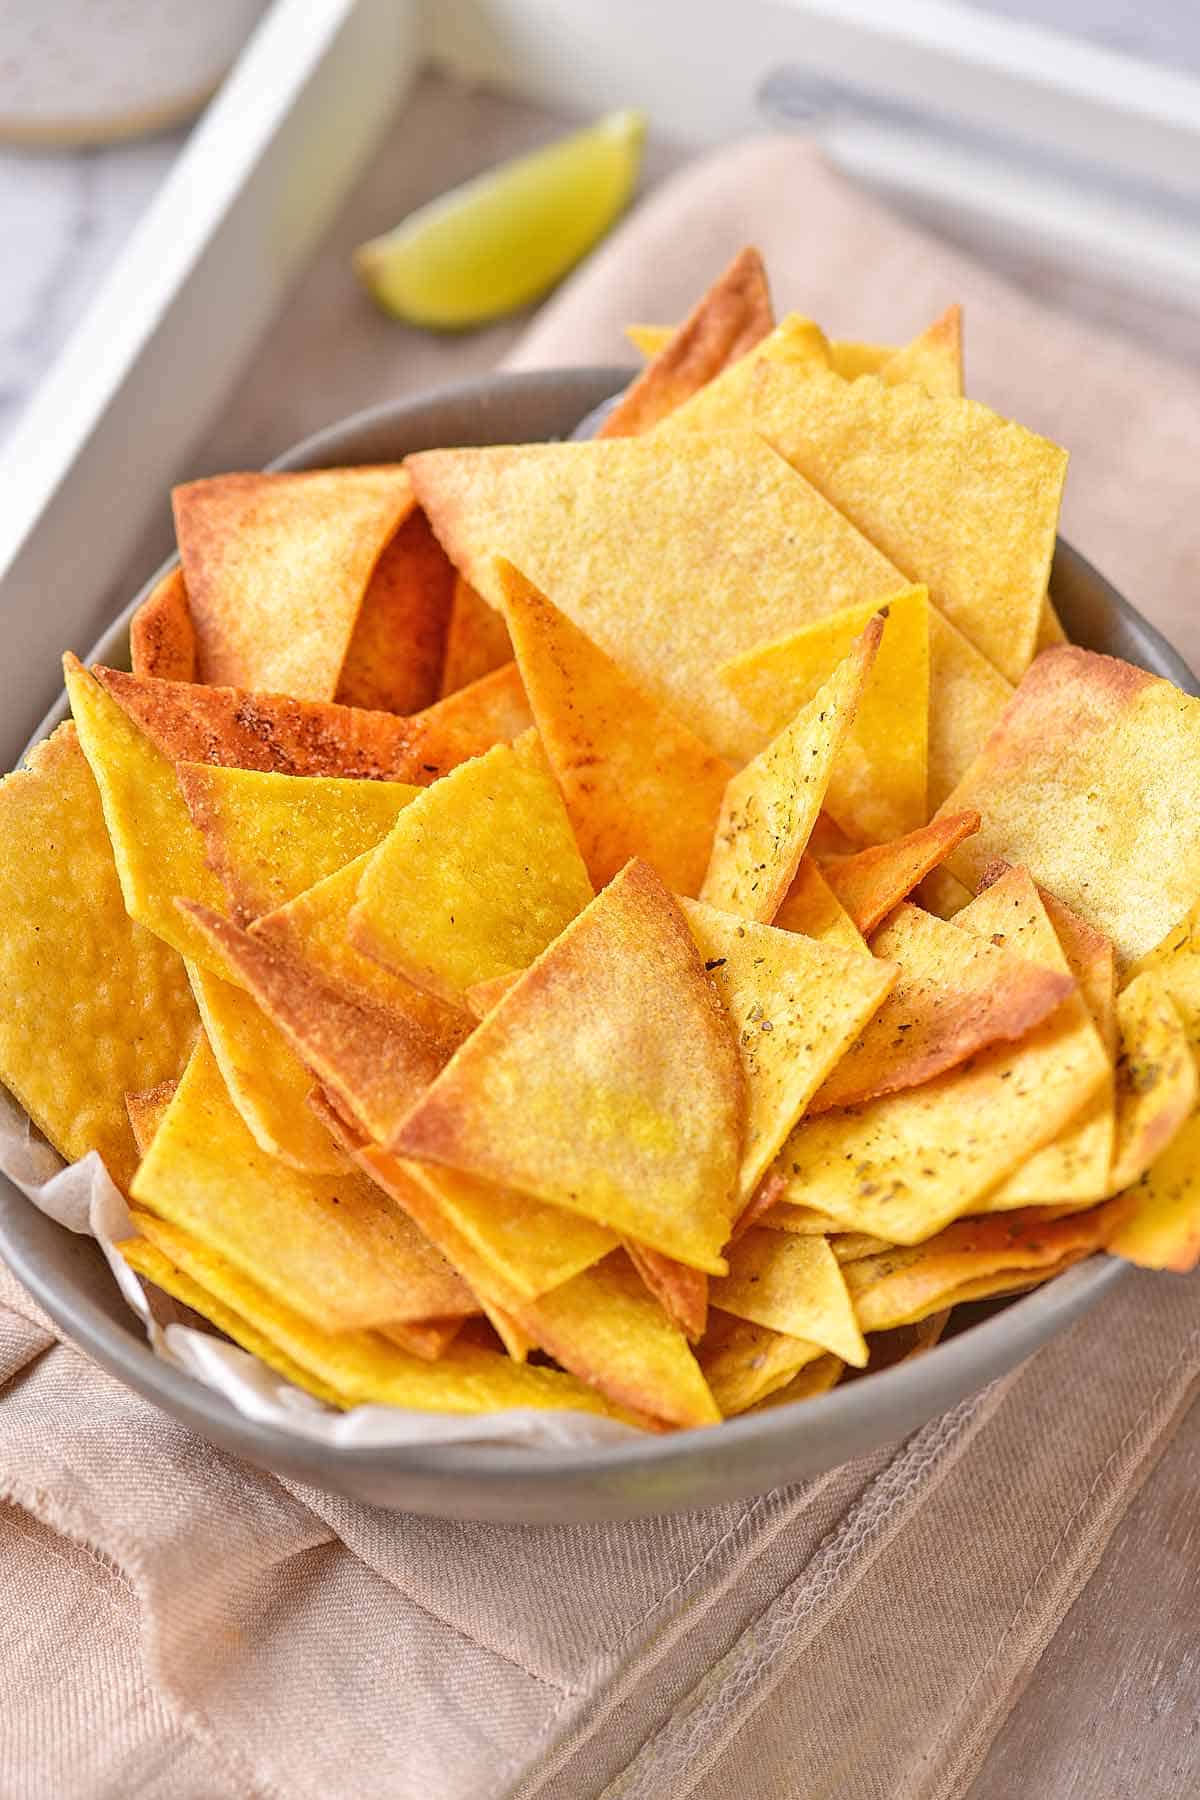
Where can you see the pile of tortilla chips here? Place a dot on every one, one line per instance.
(645, 926)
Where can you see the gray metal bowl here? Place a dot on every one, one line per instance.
(68, 1277)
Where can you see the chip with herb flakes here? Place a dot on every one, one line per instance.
(956, 993)
(724, 325)
(162, 640)
(607, 1080)
(812, 907)
(871, 882)
(794, 1285)
(476, 877)
(93, 1003)
(877, 784)
(770, 807)
(1113, 756)
(794, 1006)
(672, 562)
(477, 641)
(269, 837)
(1156, 1088)
(277, 566)
(635, 780)
(743, 1362)
(393, 662)
(954, 495)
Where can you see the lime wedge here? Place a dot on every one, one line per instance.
(502, 240)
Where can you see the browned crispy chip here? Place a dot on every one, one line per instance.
(681, 1292)
(162, 639)
(395, 655)
(146, 1109)
(476, 639)
(872, 881)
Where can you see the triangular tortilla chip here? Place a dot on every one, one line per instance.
(393, 662)
(972, 1259)
(635, 780)
(793, 1285)
(476, 639)
(331, 1246)
(812, 907)
(795, 1006)
(267, 1082)
(376, 1059)
(190, 723)
(954, 495)
(146, 1110)
(91, 1004)
(158, 851)
(476, 877)
(723, 326)
(269, 837)
(1091, 958)
(276, 568)
(1176, 963)
(815, 1378)
(743, 1362)
(769, 808)
(966, 697)
(681, 1292)
(1156, 1079)
(1162, 1227)
(933, 360)
(607, 1081)
(1113, 756)
(956, 993)
(872, 881)
(727, 402)
(671, 563)
(162, 639)
(877, 786)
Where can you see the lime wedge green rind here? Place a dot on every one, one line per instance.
(501, 241)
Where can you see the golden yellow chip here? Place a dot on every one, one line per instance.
(877, 785)
(477, 640)
(1162, 1228)
(727, 401)
(815, 1378)
(871, 882)
(770, 806)
(267, 1082)
(476, 877)
(607, 1081)
(812, 907)
(146, 1109)
(743, 1362)
(315, 929)
(966, 697)
(1091, 958)
(852, 358)
(393, 662)
(933, 360)
(954, 495)
(1113, 755)
(158, 852)
(162, 640)
(1156, 1078)
(636, 781)
(795, 1007)
(803, 1221)
(1050, 629)
(794, 1285)
(269, 836)
(276, 568)
(681, 1292)
(92, 1004)
(334, 1247)
(672, 563)
(650, 339)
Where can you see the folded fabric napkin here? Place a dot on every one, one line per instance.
(180, 1624)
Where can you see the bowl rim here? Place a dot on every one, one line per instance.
(908, 1392)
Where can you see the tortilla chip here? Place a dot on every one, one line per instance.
(727, 402)
(1162, 1227)
(162, 640)
(872, 881)
(476, 639)
(743, 1362)
(1113, 756)
(956, 993)
(376, 1059)
(966, 697)
(877, 785)
(650, 339)
(802, 1221)
(606, 1081)
(267, 1082)
(815, 1378)
(393, 662)
(158, 852)
(481, 998)
(276, 568)
(793, 1285)
(331, 1246)
(1156, 1079)
(672, 564)
(770, 807)
(1091, 958)
(476, 877)
(852, 358)
(973, 1259)
(812, 907)
(146, 1109)
(954, 495)
(269, 837)
(681, 1292)
(724, 325)
(273, 732)
(636, 781)
(795, 1006)
(93, 1005)
(933, 361)
(1050, 629)
(852, 1246)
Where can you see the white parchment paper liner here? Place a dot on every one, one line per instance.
(83, 1198)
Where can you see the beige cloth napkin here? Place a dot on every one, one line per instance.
(179, 1624)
